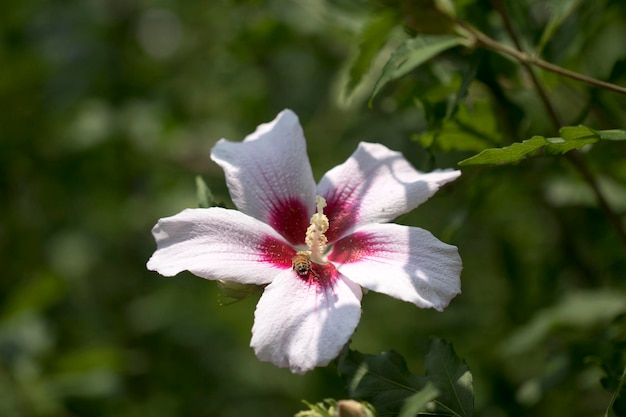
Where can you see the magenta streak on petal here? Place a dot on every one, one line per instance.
(321, 275)
(352, 248)
(290, 218)
(276, 252)
(341, 216)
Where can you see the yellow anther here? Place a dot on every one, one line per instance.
(315, 238)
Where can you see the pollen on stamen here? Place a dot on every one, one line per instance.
(315, 238)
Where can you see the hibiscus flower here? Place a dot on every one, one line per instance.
(313, 247)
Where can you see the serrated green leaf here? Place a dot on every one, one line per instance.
(506, 155)
(572, 137)
(204, 194)
(371, 40)
(383, 380)
(411, 54)
(452, 377)
(419, 401)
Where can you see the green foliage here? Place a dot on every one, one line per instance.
(572, 137)
(451, 376)
(371, 40)
(582, 310)
(419, 401)
(383, 380)
(412, 53)
(342, 408)
(386, 382)
(559, 12)
(232, 292)
(467, 130)
(109, 111)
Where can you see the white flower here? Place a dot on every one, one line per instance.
(315, 246)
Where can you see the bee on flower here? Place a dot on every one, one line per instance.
(301, 263)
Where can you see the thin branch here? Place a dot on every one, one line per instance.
(554, 117)
(574, 157)
(490, 43)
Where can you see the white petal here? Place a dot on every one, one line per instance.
(404, 262)
(217, 243)
(300, 325)
(375, 185)
(269, 175)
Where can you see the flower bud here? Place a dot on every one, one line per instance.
(352, 408)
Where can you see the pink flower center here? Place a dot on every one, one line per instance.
(311, 265)
(289, 218)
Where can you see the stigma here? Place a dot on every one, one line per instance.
(315, 238)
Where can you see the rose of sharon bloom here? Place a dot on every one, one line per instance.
(314, 246)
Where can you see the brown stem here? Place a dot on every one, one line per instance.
(574, 157)
(554, 117)
(525, 58)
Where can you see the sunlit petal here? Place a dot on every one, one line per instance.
(375, 185)
(269, 176)
(299, 325)
(217, 243)
(404, 262)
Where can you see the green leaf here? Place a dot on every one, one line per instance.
(571, 137)
(371, 41)
(449, 127)
(559, 146)
(577, 132)
(560, 10)
(452, 377)
(466, 131)
(204, 194)
(506, 155)
(411, 54)
(419, 401)
(232, 292)
(384, 380)
(324, 408)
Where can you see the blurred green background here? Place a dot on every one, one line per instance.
(108, 111)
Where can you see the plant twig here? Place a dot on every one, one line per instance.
(574, 157)
(521, 56)
(554, 117)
